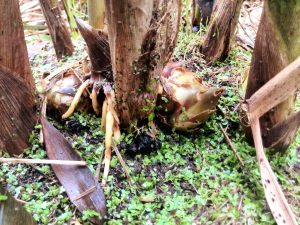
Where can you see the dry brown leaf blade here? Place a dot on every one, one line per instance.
(276, 200)
(78, 181)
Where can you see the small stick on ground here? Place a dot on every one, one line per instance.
(43, 161)
(232, 146)
(123, 165)
(43, 112)
(97, 174)
(198, 152)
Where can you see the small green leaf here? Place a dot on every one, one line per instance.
(3, 198)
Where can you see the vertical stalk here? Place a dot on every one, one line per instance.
(69, 6)
(59, 33)
(141, 43)
(221, 30)
(96, 13)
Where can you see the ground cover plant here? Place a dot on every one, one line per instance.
(183, 178)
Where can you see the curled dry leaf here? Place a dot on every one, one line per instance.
(78, 181)
(186, 102)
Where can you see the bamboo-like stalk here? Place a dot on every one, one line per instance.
(59, 33)
(220, 33)
(136, 35)
(271, 94)
(96, 13)
(276, 46)
(69, 6)
(43, 161)
(275, 91)
(274, 195)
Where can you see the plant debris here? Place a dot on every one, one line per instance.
(78, 182)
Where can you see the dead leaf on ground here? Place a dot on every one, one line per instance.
(78, 181)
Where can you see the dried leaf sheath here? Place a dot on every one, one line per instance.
(78, 182)
(13, 51)
(17, 110)
(277, 202)
(221, 30)
(98, 50)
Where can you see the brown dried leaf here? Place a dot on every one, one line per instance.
(78, 181)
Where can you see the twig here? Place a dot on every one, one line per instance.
(123, 165)
(34, 27)
(240, 203)
(229, 142)
(43, 161)
(43, 113)
(97, 174)
(85, 193)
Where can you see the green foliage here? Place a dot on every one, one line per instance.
(87, 214)
(3, 198)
